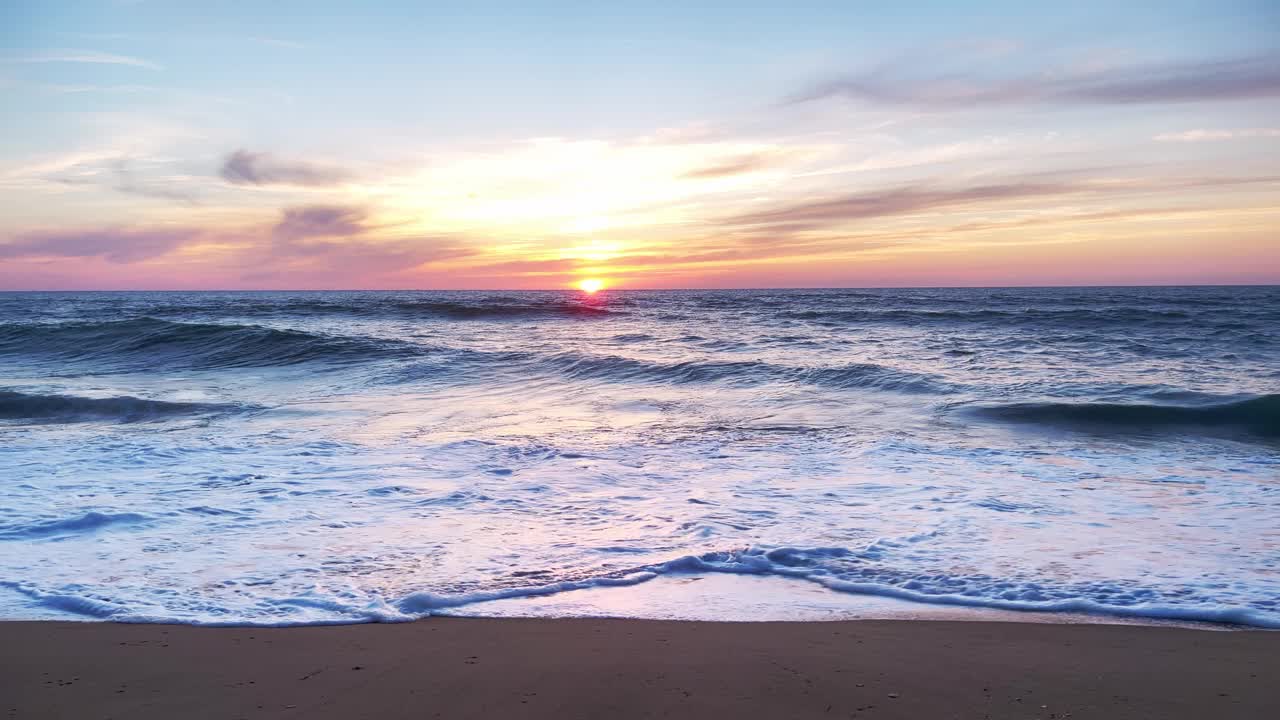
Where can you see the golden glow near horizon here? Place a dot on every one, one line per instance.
(791, 211)
(647, 214)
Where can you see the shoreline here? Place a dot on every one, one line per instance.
(708, 597)
(629, 668)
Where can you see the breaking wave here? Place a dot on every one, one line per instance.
(153, 343)
(861, 571)
(54, 409)
(1259, 415)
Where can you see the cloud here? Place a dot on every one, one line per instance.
(247, 168)
(555, 266)
(321, 221)
(354, 260)
(117, 173)
(783, 224)
(734, 166)
(87, 56)
(1204, 81)
(117, 245)
(127, 182)
(899, 201)
(1201, 135)
(311, 246)
(334, 241)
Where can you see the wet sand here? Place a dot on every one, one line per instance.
(579, 668)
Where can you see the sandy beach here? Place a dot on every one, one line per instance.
(579, 668)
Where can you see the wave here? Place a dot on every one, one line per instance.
(1077, 318)
(57, 409)
(853, 571)
(499, 310)
(861, 572)
(1259, 415)
(150, 343)
(578, 366)
(461, 309)
(79, 525)
(612, 368)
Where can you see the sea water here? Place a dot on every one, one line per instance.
(320, 457)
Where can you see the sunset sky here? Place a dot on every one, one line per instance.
(172, 145)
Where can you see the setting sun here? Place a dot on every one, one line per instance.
(591, 285)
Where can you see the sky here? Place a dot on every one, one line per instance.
(153, 144)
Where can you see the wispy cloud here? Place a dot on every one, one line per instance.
(321, 221)
(1187, 82)
(901, 201)
(127, 181)
(1203, 135)
(248, 168)
(86, 56)
(740, 165)
(117, 245)
(815, 224)
(319, 243)
(117, 172)
(311, 246)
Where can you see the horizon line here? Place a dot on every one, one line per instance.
(643, 289)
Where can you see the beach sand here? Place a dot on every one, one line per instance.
(582, 668)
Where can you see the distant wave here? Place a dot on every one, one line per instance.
(578, 366)
(154, 343)
(748, 372)
(1259, 415)
(513, 309)
(55, 409)
(1051, 318)
(478, 309)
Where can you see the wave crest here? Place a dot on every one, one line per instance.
(78, 525)
(486, 308)
(1071, 318)
(150, 342)
(613, 368)
(56, 409)
(1259, 415)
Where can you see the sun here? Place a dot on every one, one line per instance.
(591, 286)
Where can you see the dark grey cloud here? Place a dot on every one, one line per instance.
(248, 168)
(1204, 81)
(117, 245)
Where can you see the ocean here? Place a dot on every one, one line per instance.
(285, 458)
